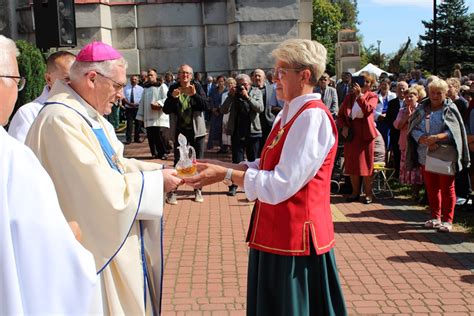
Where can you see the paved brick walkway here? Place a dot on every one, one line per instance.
(388, 263)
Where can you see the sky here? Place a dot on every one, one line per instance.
(392, 21)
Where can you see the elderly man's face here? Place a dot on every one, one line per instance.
(185, 74)
(8, 91)
(109, 89)
(402, 86)
(259, 78)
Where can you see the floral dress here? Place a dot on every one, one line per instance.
(401, 123)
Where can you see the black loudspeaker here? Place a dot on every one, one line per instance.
(55, 23)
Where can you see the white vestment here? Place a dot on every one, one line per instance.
(26, 114)
(118, 211)
(44, 270)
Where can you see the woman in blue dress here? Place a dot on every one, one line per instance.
(215, 132)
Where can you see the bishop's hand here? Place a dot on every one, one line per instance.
(170, 180)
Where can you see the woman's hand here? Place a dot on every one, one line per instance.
(433, 147)
(208, 174)
(356, 89)
(428, 140)
(345, 131)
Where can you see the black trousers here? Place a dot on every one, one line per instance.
(250, 145)
(462, 183)
(156, 141)
(132, 125)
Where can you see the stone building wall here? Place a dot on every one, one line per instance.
(213, 36)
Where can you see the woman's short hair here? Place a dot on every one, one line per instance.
(231, 80)
(417, 90)
(454, 82)
(304, 54)
(368, 76)
(7, 50)
(438, 84)
(80, 68)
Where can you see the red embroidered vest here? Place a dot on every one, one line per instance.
(286, 228)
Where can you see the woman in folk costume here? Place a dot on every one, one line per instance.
(292, 268)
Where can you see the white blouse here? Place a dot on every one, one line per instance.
(308, 143)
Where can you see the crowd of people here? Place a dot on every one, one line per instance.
(424, 123)
(283, 128)
(239, 112)
(109, 259)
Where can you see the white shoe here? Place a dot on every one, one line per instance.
(445, 227)
(198, 196)
(171, 198)
(433, 223)
(460, 201)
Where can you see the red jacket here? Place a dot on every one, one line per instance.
(286, 228)
(367, 102)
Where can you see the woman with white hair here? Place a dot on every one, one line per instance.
(436, 125)
(292, 268)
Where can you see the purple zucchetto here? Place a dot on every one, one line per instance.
(97, 51)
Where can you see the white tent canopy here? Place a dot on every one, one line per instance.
(371, 68)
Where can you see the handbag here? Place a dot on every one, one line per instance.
(443, 159)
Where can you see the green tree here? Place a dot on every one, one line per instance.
(410, 59)
(349, 13)
(32, 66)
(326, 23)
(454, 39)
(371, 55)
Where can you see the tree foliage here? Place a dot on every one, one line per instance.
(371, 55)
(329, 17)
(410, 59)
(32, 66)
(349, 13)
(326, 23)
(455, 34)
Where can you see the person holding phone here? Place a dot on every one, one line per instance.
(357, 115)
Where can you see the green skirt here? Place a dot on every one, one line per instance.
(293, 285)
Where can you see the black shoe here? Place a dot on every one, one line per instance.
(164, 157)
(352, 198)
(232, 190)
(368, 200)
(127, 142)
(137, 141)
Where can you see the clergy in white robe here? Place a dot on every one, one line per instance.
(117, 202)
(44, 270)
(58, 65)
